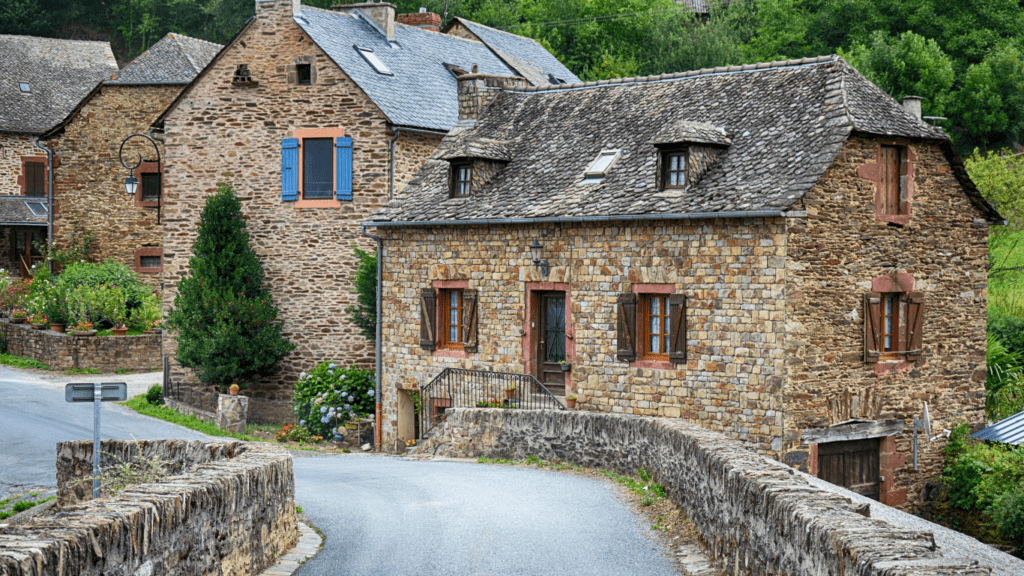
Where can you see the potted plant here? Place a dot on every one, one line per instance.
(570, 402)
(510, 391)
(158, 327)
(565, 366)
(233, 389)
(38, 321)
(18, 315)
(148, 313)
(82, 328)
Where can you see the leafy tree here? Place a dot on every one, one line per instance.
(681, 41)
(364, 313)
(1000, 179)
(990, 105)
(227, 325)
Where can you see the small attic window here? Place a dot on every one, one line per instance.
(374, 61)
(600, 166)
(674, 165)
(37, 208)
(305, 74)
(24, 87)
(462, 179)
(553, 80)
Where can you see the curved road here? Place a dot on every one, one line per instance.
(389, 515)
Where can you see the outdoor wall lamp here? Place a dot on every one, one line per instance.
(131, 184)
(535, 253)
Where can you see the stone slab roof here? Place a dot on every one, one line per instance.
(479, 148)
(687, 131)
(59, 73)
(525, 55)
(785, 121)
(14, 210)
(421, 92)
(175, 59)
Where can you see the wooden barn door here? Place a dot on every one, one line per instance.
(853, 465)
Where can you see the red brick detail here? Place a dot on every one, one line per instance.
(889, 462)
(426, 20)
(901, 282)
(872, 171)
(149, 251)
(22, 181)
(146, 168)
(812, 460)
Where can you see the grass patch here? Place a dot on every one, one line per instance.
(122, 371)
(7, 509)
(22, 362)
(73, 371)
(140, 405)
(1006, 287)
(272, 428)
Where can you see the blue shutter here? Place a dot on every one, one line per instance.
(343, 164)
(290, 169)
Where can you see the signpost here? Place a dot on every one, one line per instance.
(96, 393)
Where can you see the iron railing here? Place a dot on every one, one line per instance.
(462, 388)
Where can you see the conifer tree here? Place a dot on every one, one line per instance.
(227, 325)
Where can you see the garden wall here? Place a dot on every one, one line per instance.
(755, 515)
(64, 351)
(231, 511)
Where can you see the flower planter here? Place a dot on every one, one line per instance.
(82, 333)
(148, 332)
(158, 330)
(39, 326)
(17, 320)
(510, 394)
(57, 328)
(119, 331)
(570, 403)
(565, 366)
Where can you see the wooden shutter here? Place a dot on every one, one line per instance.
(428, 319)
(904, 182)
(677, 335)
(343, 166)
(470, 302)
(890, 179)
(914, 326)
(872, 326)
(626, 337)
(290, 169)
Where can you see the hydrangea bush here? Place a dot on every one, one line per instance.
(330, 396)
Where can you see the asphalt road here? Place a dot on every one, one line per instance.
(34, 417)
(389, 515)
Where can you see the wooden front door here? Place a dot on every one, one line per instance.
(853, 465)
(551, 341)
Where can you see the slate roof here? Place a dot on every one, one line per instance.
(175, 59)
(785, 123)
(59, 73)
(422, 92)
(14, 211)
(1008, 431)
(525, 55)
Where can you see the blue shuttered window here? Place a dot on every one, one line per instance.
(290, 169)
(317, 165)
(343, 166)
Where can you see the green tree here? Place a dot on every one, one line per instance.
(364, 313)
(990, 105)
(681, 41)
(227, 325)
(1000, 179)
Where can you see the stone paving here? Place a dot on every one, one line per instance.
(309, 544)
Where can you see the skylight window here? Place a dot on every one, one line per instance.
(25, 87)
(374, 61)
(599, 167)
(37, 208)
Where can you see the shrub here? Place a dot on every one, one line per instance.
(965, 466)
(227, 325)
(1004, 368)
(329, 396)
(155, 395)
(364, 313)
(12, 292)
(1008, 514)
(108, 273)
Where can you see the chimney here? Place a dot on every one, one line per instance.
(426, 20)
(476, 91)
(912, 104)
(287, 8)
(380, 14)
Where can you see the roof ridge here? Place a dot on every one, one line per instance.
(758, 67)
(107, 42)
(498, 30)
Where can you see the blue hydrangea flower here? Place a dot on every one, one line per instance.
(347, 407)
(344, 394)
(323, 409)
(302, 376)
(302, 422)
(331, 365)
(371, 392)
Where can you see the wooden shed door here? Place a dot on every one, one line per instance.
(853, 465)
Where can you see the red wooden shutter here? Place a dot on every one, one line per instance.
(428, 319)
(914, 325)
(470, 301)
(626, 337)
(677, 335)
(872, 325)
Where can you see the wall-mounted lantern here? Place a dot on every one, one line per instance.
(131, 184)
(536, 252)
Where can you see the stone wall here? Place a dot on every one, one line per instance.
(15, 147)
(834, 252)
(731, 271)
(89, 192)
(754, 515)
(64, 351)
(230, 511)
(224, 132)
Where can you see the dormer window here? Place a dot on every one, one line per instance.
(462, 180)
(674, 163)
(25, 88)
(598, 169)
(372, 59)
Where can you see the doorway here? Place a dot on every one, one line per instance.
(854, 465)
(551, 341)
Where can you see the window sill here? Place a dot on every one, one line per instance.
(319, 203)
(149, 270)
(885, 366)
(902, 219)
(653, 364)
(450, 353)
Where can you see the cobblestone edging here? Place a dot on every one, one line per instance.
(755, 515)
(231, 512)
(64, 351)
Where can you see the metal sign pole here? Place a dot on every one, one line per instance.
(97, 392)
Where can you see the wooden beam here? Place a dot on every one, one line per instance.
(856, 431)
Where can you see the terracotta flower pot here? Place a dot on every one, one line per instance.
(570, 403)
(119, 331)
(510, 394)
(57, 328)
(233, 390)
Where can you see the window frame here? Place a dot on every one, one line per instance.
(304, 74)
(376, 63)
(879, 174)
(444, 325)
(456, 181)
(666, 168)
(304, 166)
(23, 178)
(898, 310)
(147, 168)
(591, 171)
(316, 133)
(644, 335)
(149, 251)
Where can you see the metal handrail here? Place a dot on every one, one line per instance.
(464, 388)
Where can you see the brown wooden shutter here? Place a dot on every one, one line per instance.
(470, 300)
(872, 326)
(914, 325)
(626, 338)
(677, 335)
(904, 182)
(428, 319)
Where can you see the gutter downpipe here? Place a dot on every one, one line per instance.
(377, 336)
(49, 207)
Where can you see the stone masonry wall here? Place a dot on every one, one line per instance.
(834, 252)
(90, 179)
(15, 146)
(225, 132)
(232, 511)
(64, 351)
(754, 515)
(732, 273)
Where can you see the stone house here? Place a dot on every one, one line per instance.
(316, 117)
(780, 252)
(41, 81)
(90, 181)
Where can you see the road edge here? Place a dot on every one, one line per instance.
(309, 545)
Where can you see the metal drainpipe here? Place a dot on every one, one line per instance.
(377, 336)
(49, 208)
